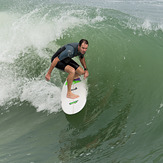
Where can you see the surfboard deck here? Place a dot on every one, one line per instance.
(73, 106)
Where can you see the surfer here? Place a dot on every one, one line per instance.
(62, 60)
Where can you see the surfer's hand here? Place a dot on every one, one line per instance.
(86, 74)
(47, 77)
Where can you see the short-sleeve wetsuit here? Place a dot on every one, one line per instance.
(65, 55)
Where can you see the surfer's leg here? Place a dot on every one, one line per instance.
(78, 70)
(71, 73)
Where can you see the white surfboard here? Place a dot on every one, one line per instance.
(73, 106)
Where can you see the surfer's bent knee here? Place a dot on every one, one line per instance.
(69, 69)
(80, 71)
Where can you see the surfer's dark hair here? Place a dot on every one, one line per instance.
(83, 41)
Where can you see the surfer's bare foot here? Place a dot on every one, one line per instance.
(72, 96)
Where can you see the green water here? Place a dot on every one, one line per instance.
(122, 119)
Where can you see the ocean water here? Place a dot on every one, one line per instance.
(122, 119)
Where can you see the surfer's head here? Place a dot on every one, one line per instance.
(83, 45)
(83, 41)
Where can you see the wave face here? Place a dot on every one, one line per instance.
(121, 121)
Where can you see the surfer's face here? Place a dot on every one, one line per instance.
(83, 48)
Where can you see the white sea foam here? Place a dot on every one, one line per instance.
(8, 90)
(18, 33)
(9, 85)
(146, 25)
(43, 95)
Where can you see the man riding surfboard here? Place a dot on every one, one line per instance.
(62, 60)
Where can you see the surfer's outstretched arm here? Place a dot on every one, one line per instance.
(53, 64)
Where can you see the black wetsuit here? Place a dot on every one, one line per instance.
(65, 55)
